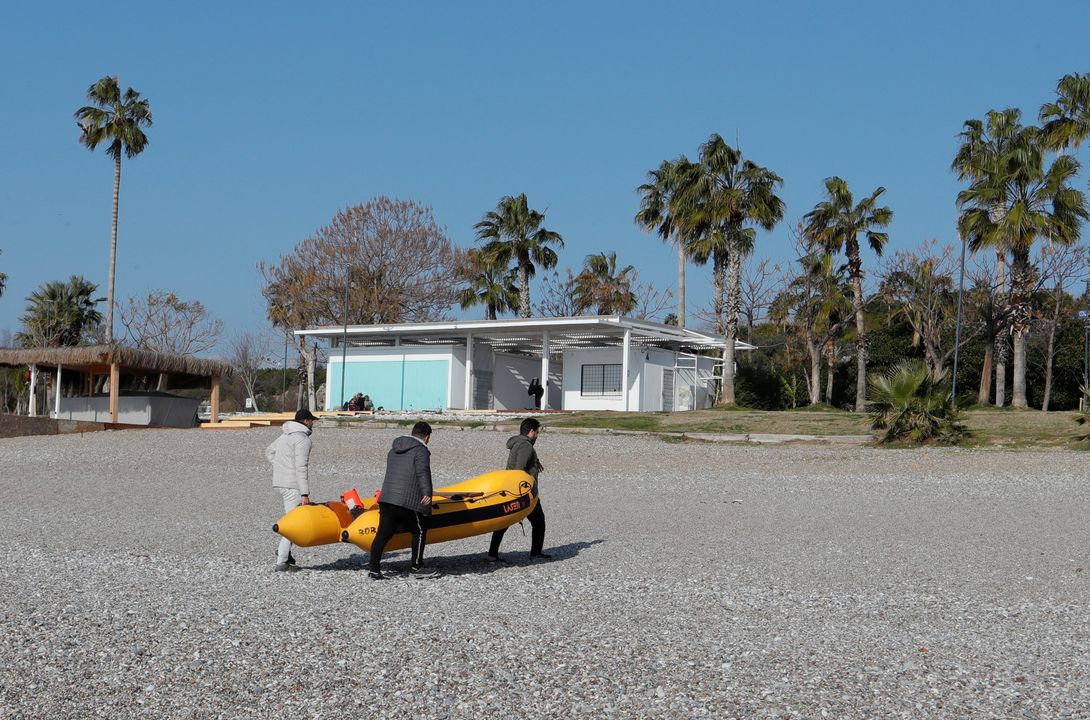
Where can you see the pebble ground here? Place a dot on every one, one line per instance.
(687, 580)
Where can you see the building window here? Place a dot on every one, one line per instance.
(600, 380)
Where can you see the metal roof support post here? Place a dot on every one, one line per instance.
(545, 369)
(468, 405)
(627, 348)
(57, 394)
(32, 406)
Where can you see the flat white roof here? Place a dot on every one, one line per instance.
(525, 334)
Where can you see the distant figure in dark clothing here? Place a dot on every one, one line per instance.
(522, 456)
(366, 405)
(405, 499)
(537, 391)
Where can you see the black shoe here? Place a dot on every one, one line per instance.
(495, 559)
(284, 567)
(291, 559)
(421, 572)
(541, 555)
(376, 575)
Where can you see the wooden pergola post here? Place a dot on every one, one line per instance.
(215, 399)
(115, 389)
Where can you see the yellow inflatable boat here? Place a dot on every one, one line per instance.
(483, 504)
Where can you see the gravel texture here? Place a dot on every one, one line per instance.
(688, 580)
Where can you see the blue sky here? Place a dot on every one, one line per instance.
(269, 117)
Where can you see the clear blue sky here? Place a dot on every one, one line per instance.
(271, 116)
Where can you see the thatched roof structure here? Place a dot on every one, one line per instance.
(98, 358)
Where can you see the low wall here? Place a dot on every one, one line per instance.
(22, 426)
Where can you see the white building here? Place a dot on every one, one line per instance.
(489, 364)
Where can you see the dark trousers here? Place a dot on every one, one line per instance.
(393, 519)
(537, 533)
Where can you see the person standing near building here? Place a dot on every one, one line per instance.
(521, 455)
(290, 458)
(405, 500)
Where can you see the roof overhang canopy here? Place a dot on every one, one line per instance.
(99, 358)
(526, 335)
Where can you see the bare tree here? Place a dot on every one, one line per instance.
(398, 263)
(759, 284)
(165, 323)
(246, 352)
(1060, 265)
(918, 286)
(558, 295)
(650, 301)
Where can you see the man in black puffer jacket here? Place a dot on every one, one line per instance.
(405, 499)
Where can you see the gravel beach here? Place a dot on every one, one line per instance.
(688, 580)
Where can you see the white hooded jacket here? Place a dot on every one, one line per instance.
(290, 457)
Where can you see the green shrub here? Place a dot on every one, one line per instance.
(912, 403)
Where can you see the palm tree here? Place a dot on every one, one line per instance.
(835, 224)
(1038, 202)
(912, 402)
(601, 285)
(658, 201)
(719, 196)
(60, 314)
(116, 120)
(818, 298)
(1066, 122)
(3, 282)
(988, 150)
(489, 285)
(514, 234)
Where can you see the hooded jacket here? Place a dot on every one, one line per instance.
(290, 457)
(522, 455)
(408, 474)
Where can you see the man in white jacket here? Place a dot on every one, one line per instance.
(290, 458)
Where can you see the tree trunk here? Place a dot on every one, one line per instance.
(860, 341)
(524, 291)
(830, 360)
(312, 391)
(734, 278)
(815, 369)
(680, 283)
(1000, 339)
(718, 280)
(113, 253)
(1050, 354)
(984, 394)
(1021, 281)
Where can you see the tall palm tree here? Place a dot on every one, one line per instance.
(3, 282)
(835, 224)
(1038, 202)
(60, 313)
(513, 233)
(722, 197)
(658, 204)
(988, 150)
(489, 285)
(601, 285)
(118, 121)
(1066, 122)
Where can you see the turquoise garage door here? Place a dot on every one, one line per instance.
(401, 384)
